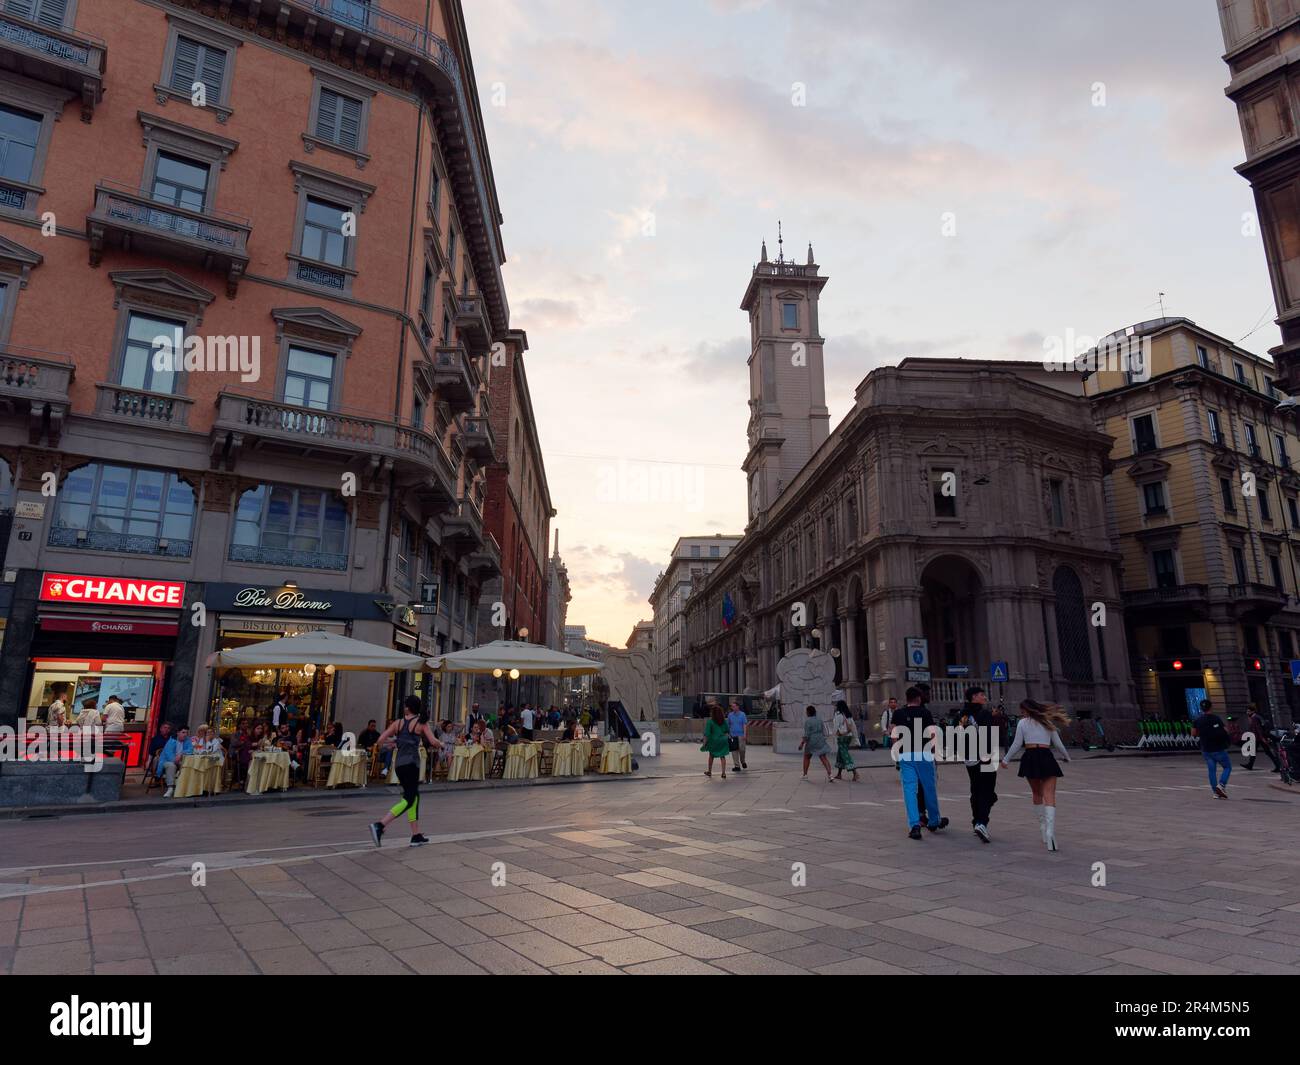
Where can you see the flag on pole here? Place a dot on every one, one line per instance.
(728, 611)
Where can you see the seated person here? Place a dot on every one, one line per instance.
(335, 738)
(369, 736)
(510, 735)
(169, 761)
(568, 733)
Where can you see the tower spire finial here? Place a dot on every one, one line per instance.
(764, 257)
(811, 260)
(780, 243)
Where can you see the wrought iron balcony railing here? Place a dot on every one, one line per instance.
(456, 377)
(125, 543)
(287, 558)
(68, 59)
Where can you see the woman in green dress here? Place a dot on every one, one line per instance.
(843, 737)
(715, 740)
(814, 742)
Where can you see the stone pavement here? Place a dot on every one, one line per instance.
(678, 874)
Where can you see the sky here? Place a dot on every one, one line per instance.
(975, 178)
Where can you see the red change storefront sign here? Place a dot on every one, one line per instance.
(110, 626)
(111, 591)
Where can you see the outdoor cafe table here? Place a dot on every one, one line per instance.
(616, 757)
(200, 774)
(268, 771)
(571, 758)
(392, 766)
(348, 767)
(523, 760)
(467, 762)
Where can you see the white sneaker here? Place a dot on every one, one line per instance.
(168, 793)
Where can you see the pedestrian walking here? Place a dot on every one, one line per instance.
(887, 723)
(1215, 741)
(1038, 734)
(983, 782)
(407, 733)
(716, 740)
(924, 689)
(916, 764)
(1263, 739)
(861, 717)
(814, 742)
(737, 721)
(843, 729)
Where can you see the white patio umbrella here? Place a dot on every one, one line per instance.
(317, 649)
(530, 659)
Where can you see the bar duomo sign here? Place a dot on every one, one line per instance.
(287, 601)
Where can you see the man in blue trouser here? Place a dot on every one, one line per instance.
(1215, 741)
(916, 763)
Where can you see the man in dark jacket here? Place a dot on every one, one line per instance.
(916, 764)
(1263, 739)
(1215, 741)
(983, 783)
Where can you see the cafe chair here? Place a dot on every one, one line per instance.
(593, 762)
(498, 765)
(323, 759)
(546, 760)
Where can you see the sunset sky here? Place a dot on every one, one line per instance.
(643, 151)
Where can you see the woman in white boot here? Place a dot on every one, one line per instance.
(1038, 732)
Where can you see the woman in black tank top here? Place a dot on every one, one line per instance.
(408, 734)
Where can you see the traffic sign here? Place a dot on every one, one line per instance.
(1295, 671)
(917, 676)
(918, 652)
(998, 672)
(959, 671)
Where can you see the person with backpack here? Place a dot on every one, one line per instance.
(1256, 725)
(1215, 741)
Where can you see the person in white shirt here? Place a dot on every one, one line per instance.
(1038, 734)
(58, 711)
(526, 722)
(114, 716)
(89, 716)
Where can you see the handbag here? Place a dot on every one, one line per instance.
(733, 743)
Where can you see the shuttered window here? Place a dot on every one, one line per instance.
(45, 12)
(198, 62)
(338, 119)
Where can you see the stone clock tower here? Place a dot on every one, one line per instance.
(788, 419)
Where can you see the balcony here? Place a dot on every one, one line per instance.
(119, 543)
(73, 61)
(485, 563)
(132, 220)
(36, 383)
(247, 422)
(463, 529)
(476, 439)
(471, 322)
(1174, 595)
(284, 558)
(455, 377)
(1262, 599)
(139, 407)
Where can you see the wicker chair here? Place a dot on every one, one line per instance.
(546, 760)
(593, 763)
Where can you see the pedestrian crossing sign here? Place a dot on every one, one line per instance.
(998, 672)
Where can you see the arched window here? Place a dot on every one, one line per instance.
(1072, 625)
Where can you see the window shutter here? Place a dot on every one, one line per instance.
(213, 67)
(21, 8)
(350, 122)
(51, 12)
(185, 65)
(327, 115)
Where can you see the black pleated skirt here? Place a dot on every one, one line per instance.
(1039, 763)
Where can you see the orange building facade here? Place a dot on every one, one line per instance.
(250, 274)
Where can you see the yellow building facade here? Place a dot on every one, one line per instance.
(1204, 499)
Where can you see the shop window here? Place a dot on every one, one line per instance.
(277, 525)
(123, 508)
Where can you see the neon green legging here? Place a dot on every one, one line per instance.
(411, 806)
(409, 777)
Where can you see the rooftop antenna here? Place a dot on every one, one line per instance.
(1161, 297)
(780, 243)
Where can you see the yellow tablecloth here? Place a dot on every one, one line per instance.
(467, 762)
(616, 757)
(570, 758)
(268, 771)
(523, 760)
(200, 773)
(348, 767)
(392, 765)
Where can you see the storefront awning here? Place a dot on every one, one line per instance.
(317, 649)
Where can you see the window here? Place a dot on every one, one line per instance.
(715, 552)
(1216, 433)
(1275, 565)
(943, 490)
(417, 410)
(356, 12)
(852, 515)
(193, 62)
(1202, 356)
(279, 525)
(446, 328)
(138, 369)
(1239, 564)
(338, 119)
(322, 233)
(1056, 491)
(831, 546)
(406, 548)
(1225, 490)
(1295, 513)
(48, 13)
(1282, 458)
(123, 508)
(1252, 444)
(1144, 433)
(20, 137)
(180, 182)
(812, 550)
(426, 301)
(1072, 625)
(1153, 497)
(435, 189)
(1165, 569)
(695, 550)
(1270, 388)
(789, 316)
(309, 378)
(1265, 514)
(1240, 371)
(451, 251)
